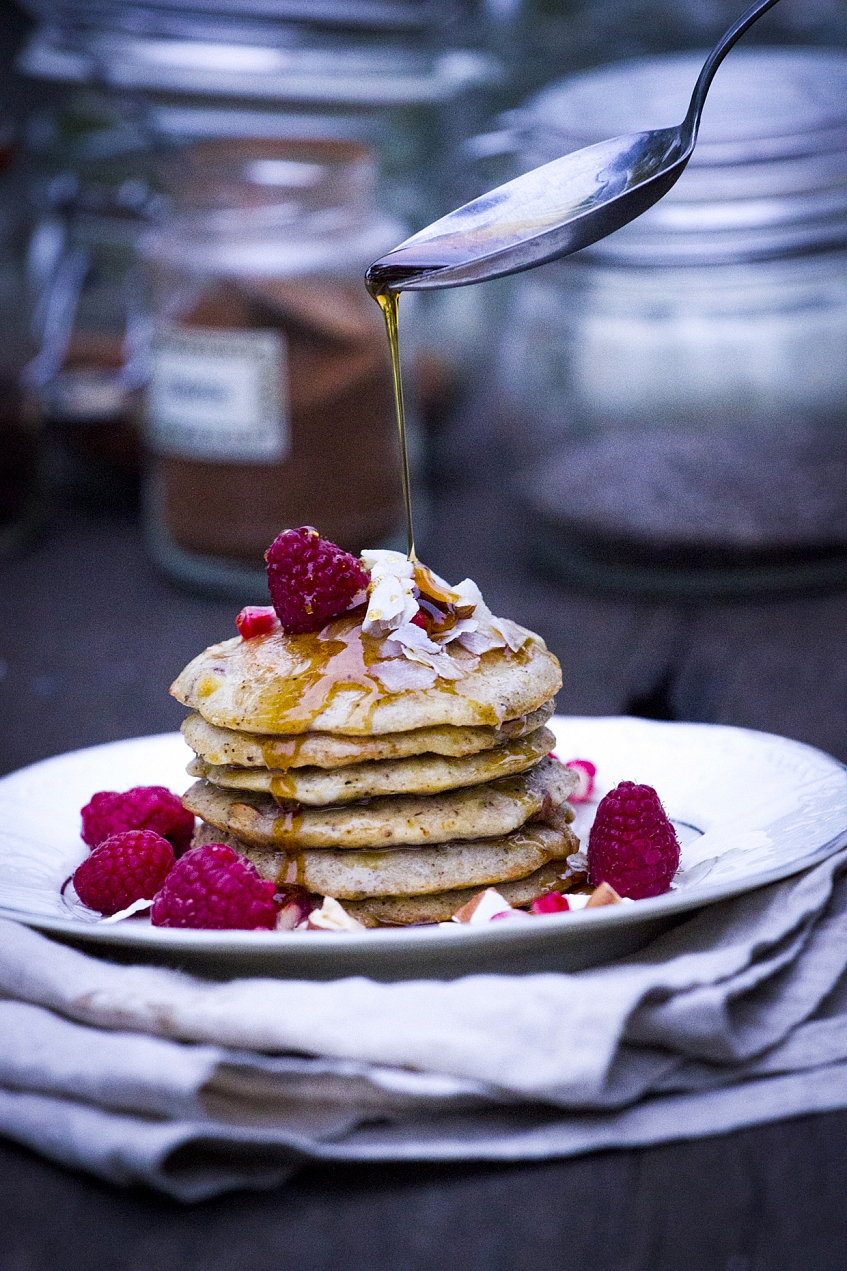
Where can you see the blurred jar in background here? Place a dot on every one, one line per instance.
(269, 399)
(91, 171)
(407, 79)
(676, 395)
(543, 39)
(21, 449)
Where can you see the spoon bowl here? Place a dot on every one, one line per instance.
(558, 208)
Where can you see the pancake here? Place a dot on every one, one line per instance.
(405, 911)
(327, 682)
(324, 750)
(493, 808)
(423, 774)
(353, 875)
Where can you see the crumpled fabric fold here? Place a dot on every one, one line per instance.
(147, 1075)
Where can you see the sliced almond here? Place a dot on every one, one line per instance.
(482, 907)
(605, 894)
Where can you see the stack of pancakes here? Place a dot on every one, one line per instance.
(399, 804)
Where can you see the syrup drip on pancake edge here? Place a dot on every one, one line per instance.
(282, 752)
(333, 661)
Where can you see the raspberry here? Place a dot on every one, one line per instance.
(142, 808)
(214, 888)
(553, 903)
(632, 844)
(310, 579)
(586, 771)
(295, 905)
(126, 867)
(256, 620)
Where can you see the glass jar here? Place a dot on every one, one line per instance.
(676, 395)
(542, 39)
(408, 78)
(597, 346)
(269, 399)
(91, 174)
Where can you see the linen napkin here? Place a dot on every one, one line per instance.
(145, 1075)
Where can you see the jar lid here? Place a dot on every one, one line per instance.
(768, 175)
(758, 93)
(162, 15)
(273, 63)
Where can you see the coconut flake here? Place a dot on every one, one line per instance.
(465, 626)
(414, 644)
(479, 642)
(491, 632)
(390, 606)
(513, 634)
(332, 917)
(445, 667)
(399, 674)
(411, 636)
(379, 562)
(137, 907)
(469, 594)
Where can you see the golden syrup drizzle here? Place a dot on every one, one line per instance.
(328, 664)
(387, 301)
(437, 621)
(444, 598)
(281, 752)
(283, 787)
(292, 870)
(286, 825)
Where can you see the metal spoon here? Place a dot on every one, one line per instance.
(555, 209)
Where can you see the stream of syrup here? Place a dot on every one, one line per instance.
(388, 303)
(384, 282)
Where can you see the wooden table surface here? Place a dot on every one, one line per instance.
(90, 638)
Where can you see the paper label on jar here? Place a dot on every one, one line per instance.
(219, 395)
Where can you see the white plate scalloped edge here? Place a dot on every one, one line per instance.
(765, 807)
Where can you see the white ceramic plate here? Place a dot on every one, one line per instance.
(750, 808)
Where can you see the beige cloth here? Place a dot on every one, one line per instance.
(146, 1075)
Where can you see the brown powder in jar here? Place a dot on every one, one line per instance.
(342, 471)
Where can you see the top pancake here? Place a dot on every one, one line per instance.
(324, 682)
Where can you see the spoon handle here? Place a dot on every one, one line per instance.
(713, 61)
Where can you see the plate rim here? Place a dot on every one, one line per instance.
(568, 927)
